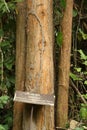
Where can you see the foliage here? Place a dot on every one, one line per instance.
(79, 75)
(7, 61)
(3, 101)
(78, 72)
(84, 36)
(83, 112)
(75, 77)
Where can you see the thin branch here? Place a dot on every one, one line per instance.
(78, 92)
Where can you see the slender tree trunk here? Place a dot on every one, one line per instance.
(20, 62)
(39, 63)
(64, 67)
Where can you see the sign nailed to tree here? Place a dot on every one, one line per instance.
(33, 98)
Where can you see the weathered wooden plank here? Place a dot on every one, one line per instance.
(33, 98)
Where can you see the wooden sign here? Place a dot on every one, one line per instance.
(33, 98)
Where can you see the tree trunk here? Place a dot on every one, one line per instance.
(64, 67)
(20, 62)
(39, 64)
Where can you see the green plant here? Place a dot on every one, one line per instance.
(83, 112)
(3, 100)
(7, 61)
(79, 76)
(3, 127)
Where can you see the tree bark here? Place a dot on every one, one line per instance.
(20, 62)
(39, 63)
(64, 67)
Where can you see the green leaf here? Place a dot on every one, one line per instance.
(11, 6)
(85, 73)
(82, 55)
(78, 69)
(3, 100)
(85, 82)
(59, 38)
(84, 36)
(74, 77)
(6, 127)
(85, 63)
(83, 113)
(83, 105)
(85, 96)
(9, 63)
(4, 43)
(2, 127)
(8, 66)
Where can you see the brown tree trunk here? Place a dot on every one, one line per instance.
(39, 63)
(20, 62)
(64, 67)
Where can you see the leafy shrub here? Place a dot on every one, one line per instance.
(7, 61)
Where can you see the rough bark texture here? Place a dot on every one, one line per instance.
(64, 67)
(39, 63)
(20, 63)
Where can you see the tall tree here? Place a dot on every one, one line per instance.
(20, 62)
(64, 66)
(39, 74)
(39, 63)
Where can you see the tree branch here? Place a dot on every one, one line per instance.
(78, 92)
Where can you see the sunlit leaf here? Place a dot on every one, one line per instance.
(83, 113)
(85, 96)
(85, 82)
(84, 36)
(74, 77)
(78, 69)
(2, 127)
(82, 55)
(6, 127)
(85, 63)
